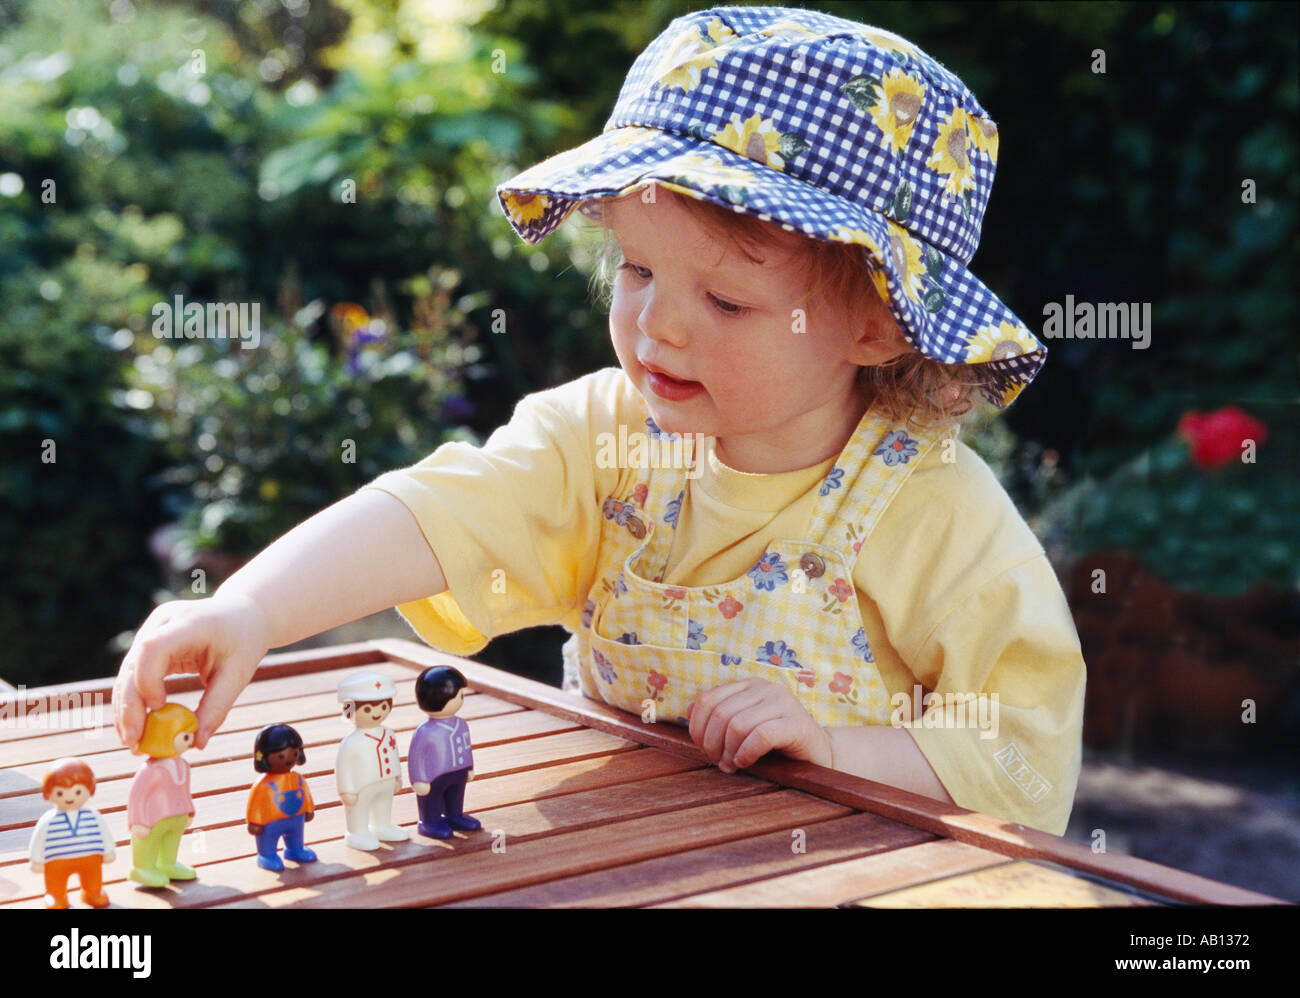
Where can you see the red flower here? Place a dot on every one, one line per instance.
(674, 592)
(1217, 437)
(842, 683)
(808, 678)
(729, 607)
(840, 589)
(640, 492)
(657, 680)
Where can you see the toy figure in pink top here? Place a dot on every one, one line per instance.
(159, 807)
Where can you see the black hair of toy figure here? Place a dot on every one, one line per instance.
(438, 686)
(275, 738)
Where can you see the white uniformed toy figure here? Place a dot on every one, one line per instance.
(369, 767)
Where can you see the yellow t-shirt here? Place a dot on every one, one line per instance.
(955, 591)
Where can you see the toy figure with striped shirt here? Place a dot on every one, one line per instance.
(72, 837)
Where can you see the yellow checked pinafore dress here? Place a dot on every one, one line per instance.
(792, 618)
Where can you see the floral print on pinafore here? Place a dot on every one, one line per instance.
(792, 618)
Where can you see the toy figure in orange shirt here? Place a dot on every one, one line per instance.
(280, 804)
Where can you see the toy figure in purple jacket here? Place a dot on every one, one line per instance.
(440, 761)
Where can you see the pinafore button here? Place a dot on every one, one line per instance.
(813, 565)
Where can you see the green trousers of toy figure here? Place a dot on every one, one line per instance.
(153, 857)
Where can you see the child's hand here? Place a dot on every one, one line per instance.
(737, 724)
(221, 638)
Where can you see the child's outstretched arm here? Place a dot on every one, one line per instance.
(361, 555)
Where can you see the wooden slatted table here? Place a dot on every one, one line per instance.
(582, 805)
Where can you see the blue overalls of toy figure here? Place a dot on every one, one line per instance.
(280, 804)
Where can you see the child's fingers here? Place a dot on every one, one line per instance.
(157, 652)
(743, 724)
(128, 708)
(713, 709)
(135, 690)
(224, 684)
(770, 733)
(730, 717)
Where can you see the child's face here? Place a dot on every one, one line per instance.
(692, 305)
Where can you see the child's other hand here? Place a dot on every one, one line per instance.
(737, 724)
(222, 638)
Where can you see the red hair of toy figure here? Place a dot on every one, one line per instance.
(159, 806)
(72, 837)
(280, 803)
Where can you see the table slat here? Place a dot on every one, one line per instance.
(215, 810)
(230, 879)
(742, 861)
(1022, 884)
(611, 842)
(828, 886)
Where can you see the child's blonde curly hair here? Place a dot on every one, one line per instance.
(912, 389)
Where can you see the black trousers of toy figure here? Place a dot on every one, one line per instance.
(442, 809)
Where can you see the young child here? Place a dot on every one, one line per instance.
(761, 525)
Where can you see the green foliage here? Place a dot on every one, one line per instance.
(73, 524)
(1218, 531)
(132, 175)
(260, 439)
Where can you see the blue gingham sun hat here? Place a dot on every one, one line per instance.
(828, 128)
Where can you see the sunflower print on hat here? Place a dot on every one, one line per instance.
(984, 137)
(879, 278)
(526, 208)
(713, 169)
(629, 135)
(905, 252)
(758, 139)
(888, 41)
(1000, 342)
(951, 156)
(686, 59)
(896, 114)
(701, 171)
(789, 29)
(1004, 393)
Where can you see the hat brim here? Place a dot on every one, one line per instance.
(944, 311)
